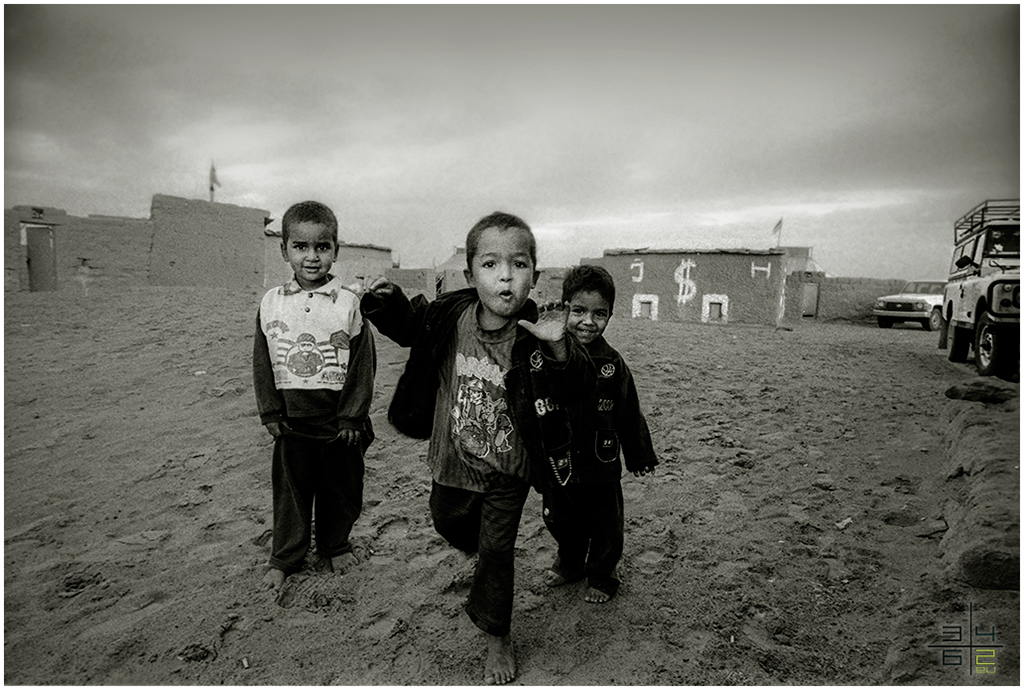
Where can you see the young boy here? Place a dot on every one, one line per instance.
(313, 367)
(477, 384)
(584, 514)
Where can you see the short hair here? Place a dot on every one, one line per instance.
(500, 221)
(309, 212)
(586, 279)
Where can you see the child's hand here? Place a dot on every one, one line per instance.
(646, 470)
(550, 326)
(349, 437)
(381, 287)
(274, 428)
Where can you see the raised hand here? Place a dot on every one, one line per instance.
(550, 326)
(381, 287)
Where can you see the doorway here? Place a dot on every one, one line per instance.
(41, 257)
(810, 300)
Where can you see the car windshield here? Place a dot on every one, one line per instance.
(1003, 240)
(924, 287)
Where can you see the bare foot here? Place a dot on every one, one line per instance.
(596, 596)
(553, 579)
(274, 579)
(500, 667)
(343, 562)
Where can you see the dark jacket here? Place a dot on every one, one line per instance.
(608, 422)
(428, 328)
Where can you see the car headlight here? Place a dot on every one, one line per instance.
(920, 306)
(1004, 296)
(879, 304)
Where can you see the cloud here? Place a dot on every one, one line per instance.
(602, 125)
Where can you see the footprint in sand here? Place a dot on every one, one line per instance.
(76, 583)
(650, 561)
(389, 536)
(315, 593)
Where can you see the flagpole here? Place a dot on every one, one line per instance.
(213, 180)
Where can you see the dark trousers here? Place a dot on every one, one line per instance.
(486, 523)
(587, 522)
(308, 474)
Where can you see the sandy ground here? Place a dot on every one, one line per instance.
(789, 537)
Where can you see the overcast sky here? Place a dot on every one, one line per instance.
(867, 129)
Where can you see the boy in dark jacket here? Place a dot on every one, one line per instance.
(313, 368)
(477, 384)
(585, 514)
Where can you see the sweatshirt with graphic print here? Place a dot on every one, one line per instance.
(314, 361)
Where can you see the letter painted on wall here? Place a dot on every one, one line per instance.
(687, 288)
(715, 309)
(645, 307)
(767, 270)
(637, 266)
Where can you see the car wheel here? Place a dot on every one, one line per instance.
(995, 352)
(959, 343)
(933, 322)
(884, 322)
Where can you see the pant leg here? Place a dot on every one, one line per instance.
(456, 516)
(607, 526)
(293, 482)
(562, 517)
(490, 597)
(339, 496)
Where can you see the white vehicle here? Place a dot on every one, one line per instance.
(981, 304)
(919, 300)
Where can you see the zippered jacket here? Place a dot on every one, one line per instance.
(609, 423)
(428, 329)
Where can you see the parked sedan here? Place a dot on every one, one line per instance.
(919, 300)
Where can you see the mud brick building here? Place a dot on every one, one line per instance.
(46, 249)
(206, 244)
(697, 286)
(190, 242)
(184, 242)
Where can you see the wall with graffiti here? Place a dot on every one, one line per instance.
(721, 286)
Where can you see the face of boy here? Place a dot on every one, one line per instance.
(588, 315)
(502, 274)
(310, 251)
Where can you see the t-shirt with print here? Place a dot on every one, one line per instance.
(474, 434)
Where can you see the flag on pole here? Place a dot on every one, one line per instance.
(213, 178)
(777, 233)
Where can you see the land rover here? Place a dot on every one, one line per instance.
(981, 302)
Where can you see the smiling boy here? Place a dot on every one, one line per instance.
(585, 513)
(477, 379)
(313, 368)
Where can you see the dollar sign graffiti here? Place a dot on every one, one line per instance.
(687, 288)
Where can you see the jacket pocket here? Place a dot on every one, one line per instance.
(606, 445)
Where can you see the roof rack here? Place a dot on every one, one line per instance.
(985, 214)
